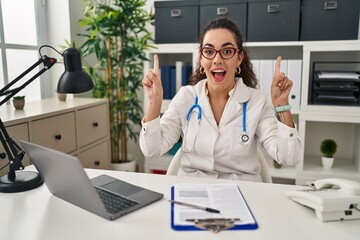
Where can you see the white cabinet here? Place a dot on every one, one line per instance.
(315, 122)
(78, 126)
(319, 122)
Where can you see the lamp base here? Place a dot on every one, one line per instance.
(24, 181)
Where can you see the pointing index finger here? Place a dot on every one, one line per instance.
(156, 64)
(277, 65)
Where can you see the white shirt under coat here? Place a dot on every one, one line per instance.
(217, 151)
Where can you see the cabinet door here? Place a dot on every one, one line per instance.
(16, 132)
(92, 124)
(57, 132)
(96, 157)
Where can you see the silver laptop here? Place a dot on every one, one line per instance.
(104, 195)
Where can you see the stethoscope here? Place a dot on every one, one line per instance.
(244, 138)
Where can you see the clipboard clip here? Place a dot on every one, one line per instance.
(214, 224)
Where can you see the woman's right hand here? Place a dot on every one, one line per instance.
(154, 91)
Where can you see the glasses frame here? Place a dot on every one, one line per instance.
(219, 51)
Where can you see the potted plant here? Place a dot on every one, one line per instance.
(328, 149)
(116, 32)
(19, 102)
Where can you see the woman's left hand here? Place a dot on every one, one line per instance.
(280, 87)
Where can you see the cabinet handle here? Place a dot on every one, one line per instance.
(273, 8)
(293, 96)
(97, 163)
(175, 13)
(95, 124)
(221, 11)
(58, 136)
(330, 5)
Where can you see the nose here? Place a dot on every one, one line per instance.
(218, 59)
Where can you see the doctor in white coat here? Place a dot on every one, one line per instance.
(222, 117)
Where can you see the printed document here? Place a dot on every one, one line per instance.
(226, 198)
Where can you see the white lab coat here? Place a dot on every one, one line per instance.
(217, 151)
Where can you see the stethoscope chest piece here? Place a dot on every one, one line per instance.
(244, 139)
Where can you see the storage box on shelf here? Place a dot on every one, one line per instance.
(235, 10)
(273, 21)
(259, 20)
(78, 126)
(329, 20)
(176, 21)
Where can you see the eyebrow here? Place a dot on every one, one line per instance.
(223, 45)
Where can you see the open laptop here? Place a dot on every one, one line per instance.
(65, 177)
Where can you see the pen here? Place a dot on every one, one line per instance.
(195, 206)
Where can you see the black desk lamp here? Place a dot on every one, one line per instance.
(73, 80)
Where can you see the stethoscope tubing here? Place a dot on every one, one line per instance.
(244, 138)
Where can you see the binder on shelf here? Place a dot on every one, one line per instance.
(165, 80)
(294, 68)
(172, 82)
(178, 66)
(186, 73)
(234, 210)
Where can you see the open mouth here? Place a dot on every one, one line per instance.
(218, 74)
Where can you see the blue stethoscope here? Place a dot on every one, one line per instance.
(243, 139)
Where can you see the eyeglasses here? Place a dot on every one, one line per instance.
(225, 53)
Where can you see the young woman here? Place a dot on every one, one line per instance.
(223, 117)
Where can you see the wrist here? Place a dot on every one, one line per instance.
(282, 108)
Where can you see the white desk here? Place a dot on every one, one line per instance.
(37, 215)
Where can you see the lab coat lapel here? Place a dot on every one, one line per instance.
(205, 105)
(240, 95)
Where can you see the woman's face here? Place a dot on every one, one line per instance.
(220, 72)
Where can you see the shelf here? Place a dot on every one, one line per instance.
(341, 167)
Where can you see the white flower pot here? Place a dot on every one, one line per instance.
(129, 166)
(327, 162)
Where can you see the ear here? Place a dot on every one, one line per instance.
(240, 58)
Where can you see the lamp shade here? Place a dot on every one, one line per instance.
(74, 79)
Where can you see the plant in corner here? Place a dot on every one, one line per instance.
(328, 149)
(19, 102)
(116, 32)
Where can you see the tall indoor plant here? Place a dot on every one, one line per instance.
(116, 32)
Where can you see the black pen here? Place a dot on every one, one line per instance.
(195, 206)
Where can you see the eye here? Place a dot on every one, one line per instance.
(228, 51)
(208, 51)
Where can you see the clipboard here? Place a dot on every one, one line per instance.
(223, 224)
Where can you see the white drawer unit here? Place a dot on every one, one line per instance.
(78, 126)
(56, 132)
(92, 124)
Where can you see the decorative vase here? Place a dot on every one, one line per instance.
(61, 97)
(129, 166)
(19, 104)
(327, 162)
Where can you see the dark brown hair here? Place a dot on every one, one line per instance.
(247, 73)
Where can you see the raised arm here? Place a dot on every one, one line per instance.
(280, 90)
(154, 91)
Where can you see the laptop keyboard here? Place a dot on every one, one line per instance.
(114, 203)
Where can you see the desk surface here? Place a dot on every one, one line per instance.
(37, 215)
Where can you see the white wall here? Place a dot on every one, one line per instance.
(63, 23)
(58, 29)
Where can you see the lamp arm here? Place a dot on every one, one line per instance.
(13, 151)
(48, 63)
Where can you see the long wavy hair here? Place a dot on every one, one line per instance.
(247, 73)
